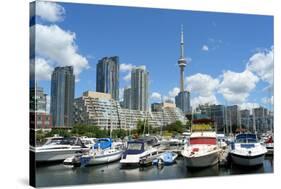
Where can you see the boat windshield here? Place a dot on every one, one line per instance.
(53, 141)
(134, 146)
(203, 140)
(246, 140)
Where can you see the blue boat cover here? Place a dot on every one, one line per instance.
(103, 143)
(134, 147)
(168, 157)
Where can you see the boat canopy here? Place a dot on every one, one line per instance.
(135, 147)
(103, 143)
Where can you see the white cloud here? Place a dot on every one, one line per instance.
(202, 87)
(156, 96)
(267, 101)
(202, 84)
(261, 63)
(174, 92)
(248, 105)
(58, 46)
(127, 77)
(43, 70)
(126, 67)
(236, 87)
(203, 100)
(50, 11)
(205, 48)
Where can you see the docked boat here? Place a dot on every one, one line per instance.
(89, 142)
(269, 144)
(222, 141)
(202, 151)
(247, 151)
(58, 149)
(140, 152)
(102, 152)
(166, 158)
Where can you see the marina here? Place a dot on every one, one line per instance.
(111, 173)
(151, 158)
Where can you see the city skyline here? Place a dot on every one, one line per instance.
(217, 51)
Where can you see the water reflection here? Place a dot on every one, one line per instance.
(57, 174)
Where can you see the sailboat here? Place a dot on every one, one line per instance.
(102, 152)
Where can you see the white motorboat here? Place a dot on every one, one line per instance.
(247, 151)
(58, 149)
(140, 152)
(101, 153)
(202, 151)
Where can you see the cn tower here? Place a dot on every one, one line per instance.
(182, 61)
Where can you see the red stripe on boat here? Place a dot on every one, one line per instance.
(205, 140)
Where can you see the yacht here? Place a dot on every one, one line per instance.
(202, 151)
(247, 151)
(140, 152)
(102, 152)
(58, 149)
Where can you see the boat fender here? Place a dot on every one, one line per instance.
(195, 150)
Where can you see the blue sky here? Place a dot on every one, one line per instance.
(230, 55)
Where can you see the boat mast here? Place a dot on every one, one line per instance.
(144, 126)
(254, 122)
(110, 123)
(162, 116)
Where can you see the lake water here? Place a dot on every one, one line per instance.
(57, 174)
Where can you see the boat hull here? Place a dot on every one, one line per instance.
(203, 160)
(206, 160)
(103, 159)
(57, 155)
(247, 160)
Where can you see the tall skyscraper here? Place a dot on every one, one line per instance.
(107, 79)
(62, 96)
(183, 98)
(127, 98)
(139, 88)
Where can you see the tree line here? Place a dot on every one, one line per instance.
(94, 131)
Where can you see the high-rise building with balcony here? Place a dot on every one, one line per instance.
(139, 88)
(62, 96)
(107, 76)
(127, 102)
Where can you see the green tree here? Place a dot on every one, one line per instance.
(176, 127)
(119, 133)
(60, 132)
(40, 136)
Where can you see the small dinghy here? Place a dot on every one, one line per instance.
(167, 158)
